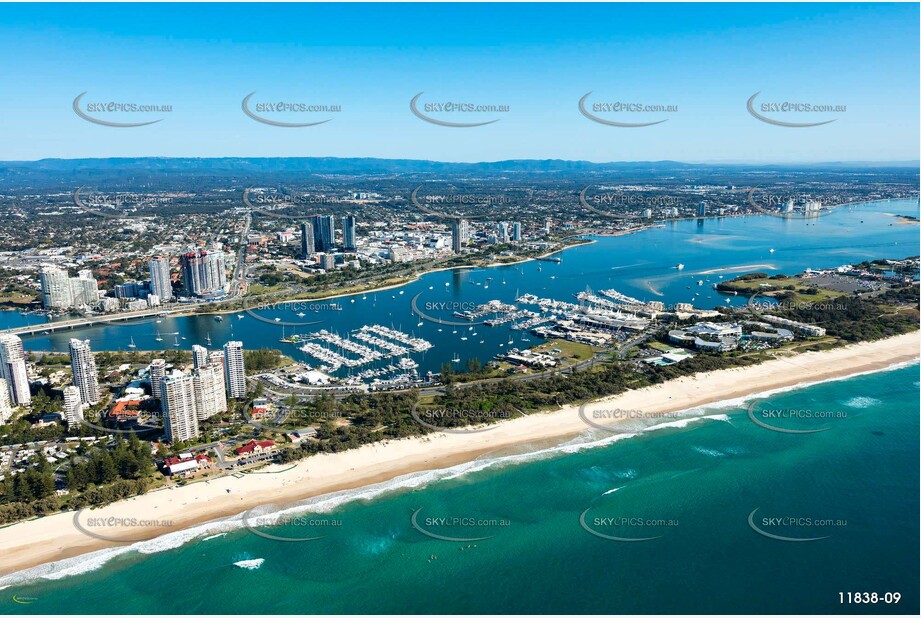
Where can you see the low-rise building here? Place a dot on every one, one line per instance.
(810, 330)
(186, 464)
(255, 448)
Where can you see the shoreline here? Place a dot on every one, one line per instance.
(53, 538)
(190, 312)
(182, 313)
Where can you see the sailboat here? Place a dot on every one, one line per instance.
(131, 345)
(455, 358)
(176, 345)
(159, 338)
(208, 339)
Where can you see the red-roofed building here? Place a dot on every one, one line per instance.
(125, 410)
(253, 447)
(184, 466)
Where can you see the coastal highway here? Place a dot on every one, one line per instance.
(238, 278)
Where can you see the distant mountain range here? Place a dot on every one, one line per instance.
(333, 165)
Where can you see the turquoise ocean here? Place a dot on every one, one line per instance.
(706, 491)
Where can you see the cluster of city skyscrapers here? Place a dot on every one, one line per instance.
(204, 275)
(188, 398)
(319, 235)
(185, 398)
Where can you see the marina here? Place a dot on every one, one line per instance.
(719, 249)
(342, 352)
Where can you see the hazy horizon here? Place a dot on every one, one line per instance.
(881, 162)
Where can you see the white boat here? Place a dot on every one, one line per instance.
(159, 338)
(131, 345)
(680, 266)
(301, 314)
(419, 324)
(239, 316)
(772, 251)
(250, 565)
(455, 358)
(463, 339)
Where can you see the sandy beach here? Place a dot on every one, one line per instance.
(55, 537)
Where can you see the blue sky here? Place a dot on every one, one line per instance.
(537, 59)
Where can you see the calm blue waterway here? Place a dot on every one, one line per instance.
(641, 265)
(704, 479)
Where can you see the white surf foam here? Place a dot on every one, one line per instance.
(328, 502)
(250, 565)
(862, 402)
